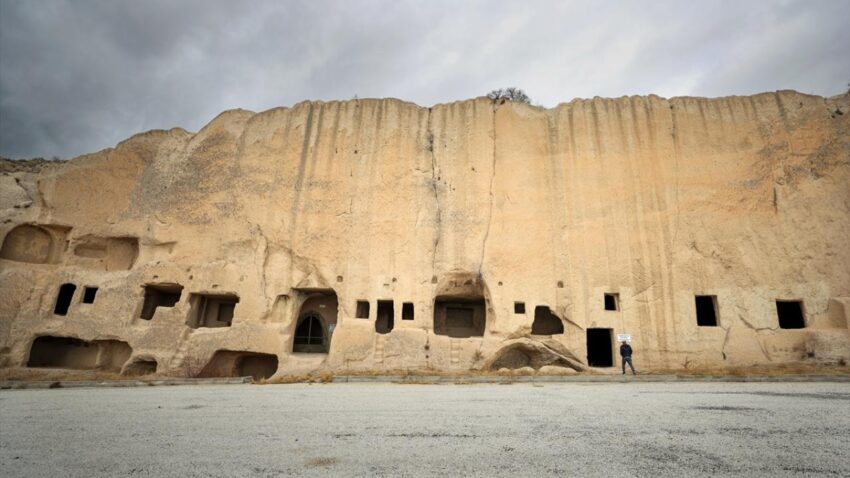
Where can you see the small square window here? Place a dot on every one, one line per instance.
(519, 307)
(89, 294)
(362, 309)
(612, 301)
(706, 310)
(790, 314)
(407, 311)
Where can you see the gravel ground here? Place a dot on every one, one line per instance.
(378, 429)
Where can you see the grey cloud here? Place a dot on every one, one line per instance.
(79, 76)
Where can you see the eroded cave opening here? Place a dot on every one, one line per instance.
(212, 310)
(534, 354)
(140, 367)
(71, 353)
(159, 295)
(600, 347)
(545, 322)
(28, 243)
(459, 318)
(460, 308)
(231, 363)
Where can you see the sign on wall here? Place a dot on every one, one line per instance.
(624, 338)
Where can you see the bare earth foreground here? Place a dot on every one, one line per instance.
(578, 429)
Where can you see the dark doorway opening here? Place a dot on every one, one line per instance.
(159, 295)
(790, 314)
(545, 322)
(706, 310)
(612, 301)
(599, 348)
(310, 335)
(384, 323)
(63, 299)
(89, 293)
(407, 311)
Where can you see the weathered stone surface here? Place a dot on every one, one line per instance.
(465, 209)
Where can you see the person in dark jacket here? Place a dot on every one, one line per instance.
(626, 353)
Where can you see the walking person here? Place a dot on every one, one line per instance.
(626, 353)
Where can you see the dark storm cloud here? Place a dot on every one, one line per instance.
(79, 76)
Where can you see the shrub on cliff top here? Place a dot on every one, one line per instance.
(509, 94)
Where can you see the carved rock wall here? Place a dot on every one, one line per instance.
(293, 210)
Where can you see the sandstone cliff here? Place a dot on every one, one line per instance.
(468, 235)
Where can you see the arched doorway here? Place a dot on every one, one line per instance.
(310, 335)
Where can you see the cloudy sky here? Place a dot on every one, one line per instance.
(78, 76)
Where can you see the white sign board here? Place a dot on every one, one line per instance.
(624, 338)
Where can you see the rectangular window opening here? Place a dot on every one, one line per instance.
(519, 307)
(362, 309)
(384, 320)
(210, 310)
(63, 299)
(159, 295)
(791, 314)
(612, 301)
(407, 311)
(706, 310)
(89, 294)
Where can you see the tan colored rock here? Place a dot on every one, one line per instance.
(376, 235)
(555, 370)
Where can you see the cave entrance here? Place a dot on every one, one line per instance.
(310, 336)
(545, 322)
(317, 320)
(460, 308)
(234, 363)
(140, 367)
(385, 320)
(600, 349)
(159, 295)
(212, 310)
(71, 353)
(459, 318)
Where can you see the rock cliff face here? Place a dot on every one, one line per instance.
(377, 235)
